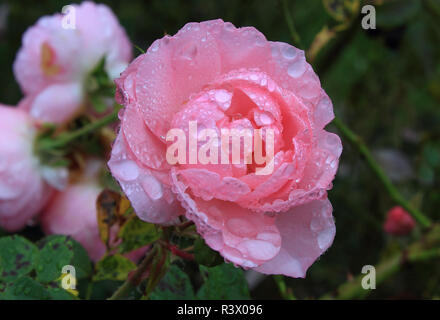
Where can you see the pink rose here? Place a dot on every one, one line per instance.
(72, 212)
(222, 77)
(398, 222)
(58, 53)
(24, 189)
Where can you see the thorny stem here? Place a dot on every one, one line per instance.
(176, 251)
(422, 250)
(354, 139)
(135, 278)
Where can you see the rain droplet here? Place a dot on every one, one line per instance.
(288, 52)
(155, 46)
(241, 227)
(315, 224)
(126, 170)
(152, 187)
(189, 52)
(296, 69)
(265, 119)
(325, 238)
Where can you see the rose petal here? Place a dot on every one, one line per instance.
(172, 69)
(57, 103)
(152, 200)
(307, 231)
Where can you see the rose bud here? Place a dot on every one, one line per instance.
(398, 222)
(261, 209)
(58, 53)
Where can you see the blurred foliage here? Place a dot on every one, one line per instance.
(384, 83)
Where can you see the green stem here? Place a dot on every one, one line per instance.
(354, 139)
(422, 250)
(68, 137)
(285, 292)
(289, 20)
(135, 278)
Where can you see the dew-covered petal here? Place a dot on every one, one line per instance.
(145, 146)
(241, 236)
(150, 197)
(239, 48)
(307, 231)
(322, 162)
(207, 185)
(172, 69)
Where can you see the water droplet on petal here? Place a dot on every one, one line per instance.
(189, 52)
(222, 96)
(296, 69)
(258, 249)
(288, 52)
(325, 238)
(241, 227)
(152, 187)
(126, 170)
(265, 119)
(316, 224)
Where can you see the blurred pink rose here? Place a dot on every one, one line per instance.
(72, 212)
(227, 77)
(398, 222)
(54, 61)
(23, 188)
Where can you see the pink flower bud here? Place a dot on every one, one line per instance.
(398, 222)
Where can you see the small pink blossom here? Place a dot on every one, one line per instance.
(226, 77)
(398, 222)
(53, 62)
(72, 212)
(23, 187)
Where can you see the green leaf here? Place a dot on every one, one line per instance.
(60, 294)
(24, 288)
(115, 267)
(175, 285)
(223, 282)
(204, 255)
(57, 251)
(136, 233)
(17, 257)
(81, 261)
